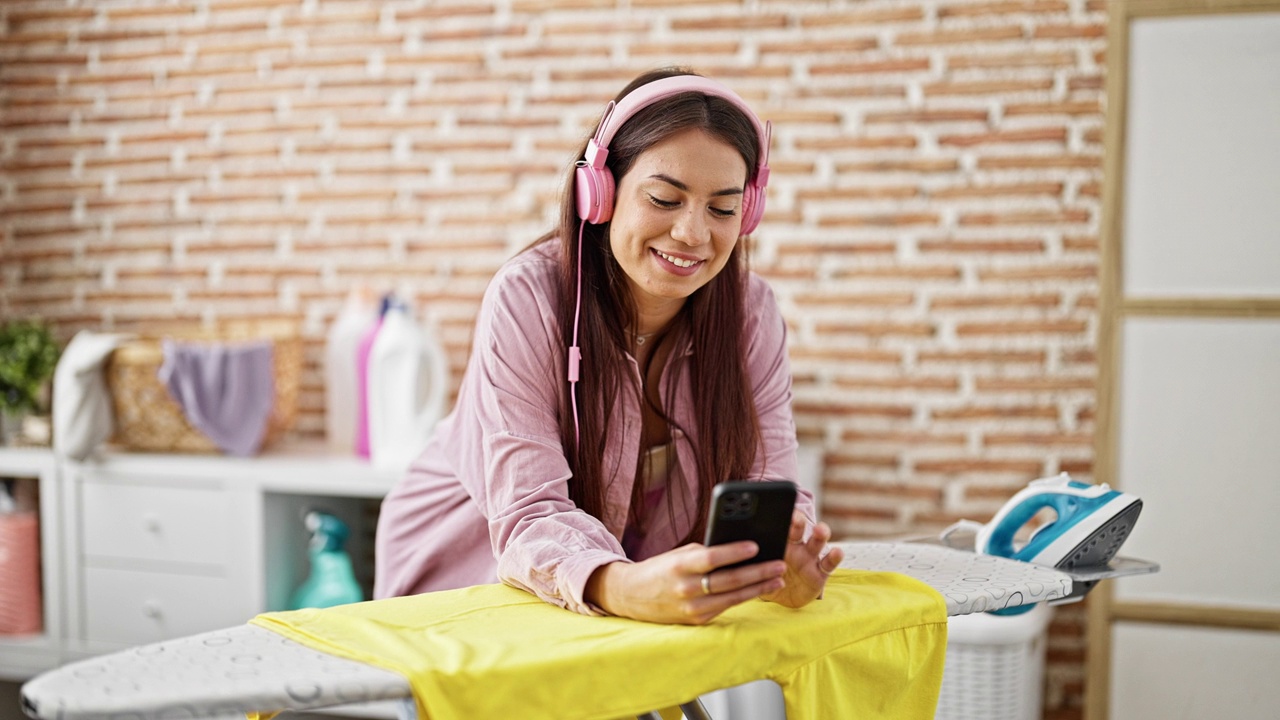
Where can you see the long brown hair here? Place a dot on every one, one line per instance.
(727, 432)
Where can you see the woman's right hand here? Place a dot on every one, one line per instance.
(670, 588)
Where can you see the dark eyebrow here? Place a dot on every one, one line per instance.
(672, 181)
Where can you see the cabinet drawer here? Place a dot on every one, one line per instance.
(132, 607)
(148, 522)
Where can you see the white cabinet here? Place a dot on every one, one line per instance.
(139, 548)
(154, 522)
(160, 552)
(127, 606)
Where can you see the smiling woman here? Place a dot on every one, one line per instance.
(675, 222)
(623, 365)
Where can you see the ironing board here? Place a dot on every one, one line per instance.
(250, 669)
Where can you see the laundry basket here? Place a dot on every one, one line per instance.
(148, 419)
(995, 665)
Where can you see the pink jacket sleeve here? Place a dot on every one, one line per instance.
(542, 541)
(770, 370)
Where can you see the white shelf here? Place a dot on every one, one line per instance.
(261, 545)
(299, 468)
(25, 461)
(22, 656)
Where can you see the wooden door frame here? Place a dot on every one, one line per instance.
(1114, 309)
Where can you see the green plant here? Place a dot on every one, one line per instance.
(28, 356)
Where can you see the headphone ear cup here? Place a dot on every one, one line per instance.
(594, 192)
(752, 208)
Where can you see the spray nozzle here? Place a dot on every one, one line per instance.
(328, 532)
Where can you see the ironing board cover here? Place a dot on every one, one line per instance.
(873, 647)
(969, 582)
(223, 674)
(246, 668)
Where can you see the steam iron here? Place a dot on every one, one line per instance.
(1092, 522)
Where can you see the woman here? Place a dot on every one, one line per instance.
(592, 493)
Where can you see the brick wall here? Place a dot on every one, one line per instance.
(932, 224)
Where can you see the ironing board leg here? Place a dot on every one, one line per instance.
(694, 711)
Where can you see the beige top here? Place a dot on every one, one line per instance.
(655, 469)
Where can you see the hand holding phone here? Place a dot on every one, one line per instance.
(756, 511)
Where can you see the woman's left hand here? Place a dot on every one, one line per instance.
(807, 567)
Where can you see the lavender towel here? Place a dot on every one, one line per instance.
(225, 391)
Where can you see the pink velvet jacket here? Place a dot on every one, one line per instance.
(488, 499)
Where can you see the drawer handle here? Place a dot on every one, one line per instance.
(151, 609)
(151, 523)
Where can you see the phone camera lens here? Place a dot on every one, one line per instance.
(738, 505)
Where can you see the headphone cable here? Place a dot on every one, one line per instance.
(575, 353)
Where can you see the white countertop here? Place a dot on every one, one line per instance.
(296, 467)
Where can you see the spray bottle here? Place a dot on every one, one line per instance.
(332, 580)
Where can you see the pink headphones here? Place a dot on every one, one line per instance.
(595, 183)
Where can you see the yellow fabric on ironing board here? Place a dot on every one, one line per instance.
(872, 647)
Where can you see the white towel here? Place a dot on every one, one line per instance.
(82, 414)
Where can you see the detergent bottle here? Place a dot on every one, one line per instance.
(358, 314)
(332, 580)
(363, 349)
(408, 386)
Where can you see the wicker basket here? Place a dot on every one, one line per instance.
(148, 419)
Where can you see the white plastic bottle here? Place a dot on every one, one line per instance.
(358, 314)
(408, 388)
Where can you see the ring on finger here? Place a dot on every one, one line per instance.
(706, 584)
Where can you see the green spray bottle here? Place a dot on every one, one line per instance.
(332, 580)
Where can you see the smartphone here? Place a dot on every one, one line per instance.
(757, 511)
